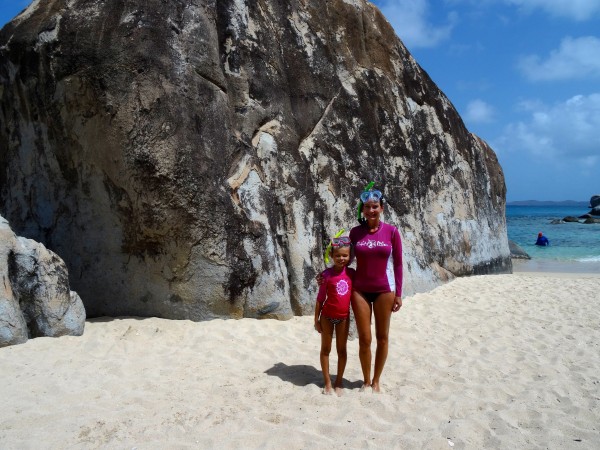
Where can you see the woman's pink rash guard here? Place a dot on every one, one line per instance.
(378, 259)
(336, 289)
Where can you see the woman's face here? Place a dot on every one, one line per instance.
(372, 210)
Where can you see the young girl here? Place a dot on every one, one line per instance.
(332, 310)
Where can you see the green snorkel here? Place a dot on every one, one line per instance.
(328, 249)
(367, 188)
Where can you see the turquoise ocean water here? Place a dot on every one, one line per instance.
(573, 246)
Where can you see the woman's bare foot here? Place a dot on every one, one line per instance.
(364, 387)
(376, 388)
(327, 390)
(339, 391)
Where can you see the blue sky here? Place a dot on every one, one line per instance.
(523, 74)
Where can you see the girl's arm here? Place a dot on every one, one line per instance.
(321, 296)
(318, 308)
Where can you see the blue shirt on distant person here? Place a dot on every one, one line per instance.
(542, 240)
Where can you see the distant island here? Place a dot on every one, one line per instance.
(548, 203)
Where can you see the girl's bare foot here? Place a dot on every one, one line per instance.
(376, 388)
(328, 390)
(364, 387)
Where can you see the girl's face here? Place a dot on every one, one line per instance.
(341, 257)
(372, 210)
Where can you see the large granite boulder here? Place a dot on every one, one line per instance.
(36, 299)
(188, 159)
(595, 205)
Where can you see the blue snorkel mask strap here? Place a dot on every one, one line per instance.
(367, 188)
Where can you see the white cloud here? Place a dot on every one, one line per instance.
(574, 59)
(410, 19)
(564, 131)
(479, 111)
(574, 9)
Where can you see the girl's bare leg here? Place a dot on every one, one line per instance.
(341, 339)
(326, 337)
(382, 310)
(362, 316)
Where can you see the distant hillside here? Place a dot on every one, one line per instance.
(548, 203)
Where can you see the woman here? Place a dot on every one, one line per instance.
(377, 287)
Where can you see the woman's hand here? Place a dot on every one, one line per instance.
(318, 327)
(397, 304)
(320, 279)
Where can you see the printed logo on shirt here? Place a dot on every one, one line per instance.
(372, 244)
(342, 287)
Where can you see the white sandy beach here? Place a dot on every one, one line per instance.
(506, 361)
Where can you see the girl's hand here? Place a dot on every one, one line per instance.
(397, 304)
(318, 327)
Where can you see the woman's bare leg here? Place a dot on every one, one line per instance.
(326, 337)
(362, 316)
(382, 310)
(341, 339)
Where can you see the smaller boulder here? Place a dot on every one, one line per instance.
(35, 299)
(592, 220)
(571, 219)
(41, 283)
(516, 251)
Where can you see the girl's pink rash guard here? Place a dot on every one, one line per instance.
(335, 291)
(378, 259)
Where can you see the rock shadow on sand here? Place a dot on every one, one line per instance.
(303, 375)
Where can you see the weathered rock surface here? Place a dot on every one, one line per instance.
(595, 205)
(188, 158)
(36, 299)
(516, 251)
(570, 219)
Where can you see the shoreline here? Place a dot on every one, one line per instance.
(545, 267)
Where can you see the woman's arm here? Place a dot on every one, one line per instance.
(397, 257)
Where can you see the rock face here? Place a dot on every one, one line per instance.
(188, 159)
(36, 299)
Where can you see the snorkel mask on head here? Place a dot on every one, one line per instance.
(337, 241)
(367, 195)
(370, 196)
